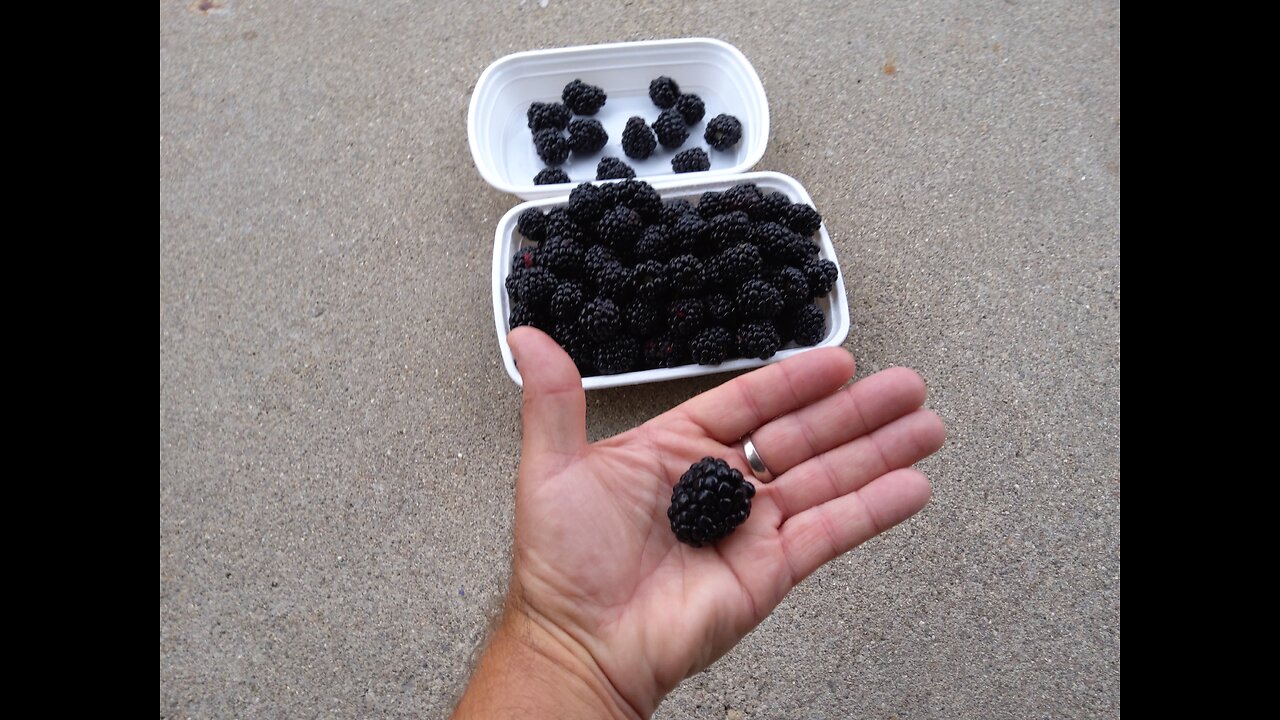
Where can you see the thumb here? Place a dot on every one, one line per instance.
(555, 407)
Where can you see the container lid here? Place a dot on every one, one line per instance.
(502, 144)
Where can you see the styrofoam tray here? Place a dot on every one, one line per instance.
(719, 73)
(835, 305)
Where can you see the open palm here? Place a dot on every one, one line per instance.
(595, 556)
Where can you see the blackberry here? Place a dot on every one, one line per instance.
(670, 129)
(611, 168)
(674, 209)
(743, 197)
(551, 146)
(773, 241)
(686, 317)
(547, 116)
(560, 224)
(738, 263)
(600, 319)
(710, 205)
(587, 137)
(806, 324)
(691, 108)
(638, 140)
(821, 275)
(512, 284)
(665, 351)
(758, 339)
(723, 132)
(654, 244)
(801, 218)
(550, 176)
(651, 283)
(583, 99)
(729, 229)
(597, 257)
(642, 319)
(580, 347)
(800, 250)
(612, 281)
(532, 224)
(758, 300)
(618, 355)
(562, 256)
(771, 207)
(710, 502)
(691, 160)
(619, 228)
(711, 346)
(535, 287)
(523, 314)
(720, 308)
(684, 275)
(664, 92)
(688, 234)
(641, 197)
(525, 258)
(792, 285)
(586, 204)
(567, 300)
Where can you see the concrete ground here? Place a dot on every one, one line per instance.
(338, 439)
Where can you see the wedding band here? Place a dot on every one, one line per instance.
(757, 464)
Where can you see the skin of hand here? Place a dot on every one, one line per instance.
(607, 612)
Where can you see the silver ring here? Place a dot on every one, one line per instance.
(756, 462)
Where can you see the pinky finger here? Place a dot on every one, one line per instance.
(820, 534)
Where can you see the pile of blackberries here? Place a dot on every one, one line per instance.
(624, 281)
(549, 123)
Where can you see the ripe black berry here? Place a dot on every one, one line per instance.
(611, 168)
(600, 319)
(550, 176)
(691, 160)
(532, 224)
(664, 92)
(758, 300)
(709, 502)
(543, 116)
(691, 107)
(684, 275)
(619, 228)
(638, 140)
(671, 129)
(618, 355)
(711, 346)
(551, 146)
(821, 274)
(583, 99)
(729, 229)
(686, 317)
(806, 325)
(758, 339)
(802, 219)
(587, 137)
(562, 256)
(586, 204)
(665, 351)
(723, 132)
(567, 300)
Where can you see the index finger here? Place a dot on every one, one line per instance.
(745, 403)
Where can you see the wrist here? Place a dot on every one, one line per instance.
(532, 668)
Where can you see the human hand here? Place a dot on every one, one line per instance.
(599, 582)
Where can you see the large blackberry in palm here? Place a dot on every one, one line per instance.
(709, 502)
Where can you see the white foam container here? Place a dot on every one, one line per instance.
(502, 146)
(507, 240)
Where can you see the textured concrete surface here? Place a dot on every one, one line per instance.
(338, 439)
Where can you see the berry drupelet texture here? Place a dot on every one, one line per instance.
(587, 137)
(806, 325)
(672, 211)
(709, 502)
(671, 129)
(583, 99)
(551, 146)
(665, 351)
(547, 116)
(723, 132)
(561, 224)
(562, 256)
(656, 243)
(619, 228)
(691, 108)
(550, 176)
(711, 346)
(710, 205)
(802, 219)
(758, 300)
(686, 317)
(821, 274)
(691, 160)
(567, 300)
(638, 140)
(664, 92)
(600, 319)
(729, 229)
(792, 285)
(684, 275)
(619, 355)
(586, 204)
(758, 339)
(532, 224)
(611, 168)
